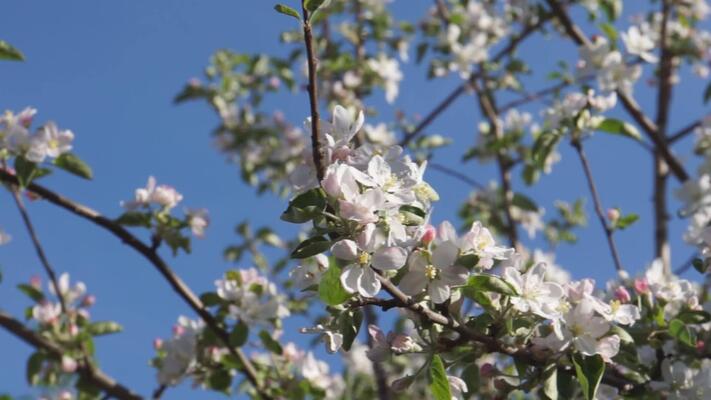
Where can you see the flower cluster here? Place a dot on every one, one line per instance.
(47, 142)
(251, 298)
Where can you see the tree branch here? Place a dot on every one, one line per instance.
(88, 372)
(577, 145)
(313, 95)
(182, 289)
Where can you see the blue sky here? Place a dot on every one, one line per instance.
(109, 71)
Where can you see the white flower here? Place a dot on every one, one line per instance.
(198, 220)
(436, 273)
(69, 365)
(362, 208)
(162, 195)
(317, 372)
(366, 253)
(68, 293)
(534, 293)
(625, 314)
(333, 340)
(480, 241)
(54, 141)
(383, 345)
(639, 44)
(457, 387)
(253, 299)
(388, 69)
(308, 274)
(46, 312)
(180, 352)
(585, 331)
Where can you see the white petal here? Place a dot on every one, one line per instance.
(413, 282)
(350, 277)
(368, 283)
(445, 254)
(439, 291)
(345, 249)
(389, 258)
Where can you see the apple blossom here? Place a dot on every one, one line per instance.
(534, 293)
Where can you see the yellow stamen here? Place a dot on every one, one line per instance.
(431, 272)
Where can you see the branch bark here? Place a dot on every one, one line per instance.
(89, 372)
(313, 95)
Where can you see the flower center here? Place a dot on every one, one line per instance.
(431, 272)
(363, 258)
(615, 305)
(53, 144)
(390, 182)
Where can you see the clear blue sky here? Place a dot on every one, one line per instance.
(109, 71)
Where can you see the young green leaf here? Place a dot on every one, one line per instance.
(313, 5)
(311, 247)
(589, 371)
(74, 165)
(439, 384)
(34, 367)
(269, 343)
(239, 334)
(7, 52)
(617, 127)
(490, 283)
(135, 218)
(330, 290)
(25, 171)
(286, 10)
(305, 207)
(31, 292)
(349, 323)
(103, 328)
(678, 330)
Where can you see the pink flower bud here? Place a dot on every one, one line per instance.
(641, 286)
(487, 370)
(429, 235)
(73, 329)
(31, 196)
(36, 282)
(66, 395)
(274, 82)
(69, 365)
(89, 300)
(700, 345)
(157, 343)
(622, 294)
(194, 83)
(178, 330)
(613, 214)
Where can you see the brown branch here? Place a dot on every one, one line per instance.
(183, 291)
(628, 102)
(661, 170)
(88, 372)
(38, 246)
(488, 108)
(313, 95)
(577, 145)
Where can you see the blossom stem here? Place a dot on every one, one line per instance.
(313, 95)
(158, 263)
(89, 372)
(578, 146)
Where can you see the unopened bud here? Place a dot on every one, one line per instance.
(178, 330)
(429, 235)
(36, 282)
(613, 214)
(69, 365)
(641, 286)
(700, 345)
(157, 343)
(73, 329)
(194, 83)
(89, 300)
(622, 294)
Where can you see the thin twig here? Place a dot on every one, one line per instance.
(456, 174)
(97, 377)
(577, 145)
(158, 393)
(628, 101)
(38, 246)
(686, 265)
(156, 261)
(683, 132)
(313, 95)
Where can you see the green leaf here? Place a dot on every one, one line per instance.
(694, 317)
(625, 337)
(490, 283)
(330, 289)
(286, 10)
(34, 367)
(311, 247)
(439, 385)
(31, 292)
(239, 334)
(349, 323)
(589, 371)
(210, 299)
(678, 330)
(313, 5)
(74, 165)
(220, 380)
(543, 146)
(707, 93)
(7, 52)
(305, 207)
(25, 171)
(609, 31)
(550, 384)
(617, 127)
(269, 343)
(524, 202)
(700, 265)
(135, 218)
(626, 221)
(103, 328)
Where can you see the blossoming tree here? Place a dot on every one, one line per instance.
(446, 313)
